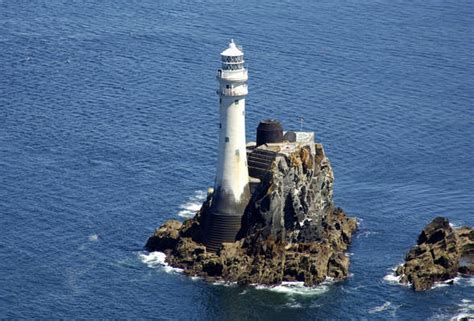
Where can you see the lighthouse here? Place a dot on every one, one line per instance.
(231, 188)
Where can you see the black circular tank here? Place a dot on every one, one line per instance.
(269, 131)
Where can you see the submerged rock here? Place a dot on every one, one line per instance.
(441, 252)
(291, 230)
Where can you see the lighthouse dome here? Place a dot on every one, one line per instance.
(232, 51)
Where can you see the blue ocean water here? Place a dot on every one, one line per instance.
(108, 127)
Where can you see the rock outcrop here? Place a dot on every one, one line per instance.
(440, 254)
(291, 230)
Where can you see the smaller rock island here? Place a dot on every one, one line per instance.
(440, 254)
(270, 216)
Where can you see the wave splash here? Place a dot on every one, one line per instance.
(465, 311)
(296, 288)
(392, 278)
(157, 260)
(192, 205)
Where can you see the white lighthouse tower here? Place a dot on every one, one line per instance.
(231, 188)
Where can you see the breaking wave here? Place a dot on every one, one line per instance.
(387, 307)
(224, 283)
(449, 282)
(157, 260)
(380, 308)
(294, 305)
(192, 205)
(296, 288)
(470, 281)
(465, 311)
(392, 278)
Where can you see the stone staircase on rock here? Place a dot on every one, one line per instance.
(260, 162)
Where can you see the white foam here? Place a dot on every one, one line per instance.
(294, 305)
(439, 285)
(463, 316)
(466, 305)
(93, 237)
(465, 311)
(153, 259)
(380, 308)
(366, 234)
(224, 283)
(192, 205)
(157, 260)
(446, 283)
(392, 278)
(295, 288)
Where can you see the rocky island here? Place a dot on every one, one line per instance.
(440, 254)
(290, 231)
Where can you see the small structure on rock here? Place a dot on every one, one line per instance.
(440, 254)
(270, 217)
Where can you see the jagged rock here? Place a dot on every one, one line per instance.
(292, 231)
(165, 237)
(466, 239)
(438, 256)
(466, 244)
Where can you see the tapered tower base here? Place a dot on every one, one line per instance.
(224, 218)
(221, 228)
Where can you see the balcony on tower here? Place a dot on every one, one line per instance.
(233, 75)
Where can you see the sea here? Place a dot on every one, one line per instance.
(109, 126)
